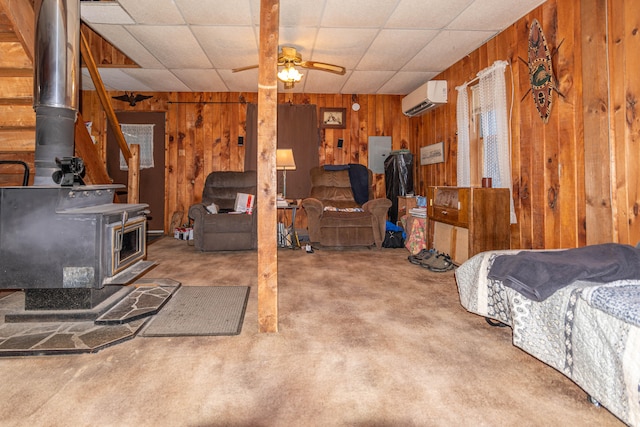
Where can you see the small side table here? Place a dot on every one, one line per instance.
(287, 235)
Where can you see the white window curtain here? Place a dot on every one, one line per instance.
(495, 128)
(462, 118)
(141, 134)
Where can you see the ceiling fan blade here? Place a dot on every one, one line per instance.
(336, 69)
(250, 67)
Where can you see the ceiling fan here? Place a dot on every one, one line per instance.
(289, 58)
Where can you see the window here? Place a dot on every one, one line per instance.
(143, 136)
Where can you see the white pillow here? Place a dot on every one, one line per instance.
(212, 208)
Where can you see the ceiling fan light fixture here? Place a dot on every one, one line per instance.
(289, 75)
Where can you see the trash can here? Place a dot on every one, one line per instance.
(398, 177)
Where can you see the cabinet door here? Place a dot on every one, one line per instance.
(451, 240)
(489, 226)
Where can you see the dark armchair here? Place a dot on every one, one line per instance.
(335, 218)
(225, 231)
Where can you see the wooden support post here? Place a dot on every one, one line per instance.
(267, 138)
(133, 176)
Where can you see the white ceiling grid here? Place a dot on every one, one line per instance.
(387, 46)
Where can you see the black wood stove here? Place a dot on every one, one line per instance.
(64, 245)
(67, 245)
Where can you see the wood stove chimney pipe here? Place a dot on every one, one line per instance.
(56, 80)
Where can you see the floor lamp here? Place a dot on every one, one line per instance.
(285, 162)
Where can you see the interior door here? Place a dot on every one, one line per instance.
(151, 179)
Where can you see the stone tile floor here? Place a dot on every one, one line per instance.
(118, 323)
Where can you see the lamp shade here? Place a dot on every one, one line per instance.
(284, 160)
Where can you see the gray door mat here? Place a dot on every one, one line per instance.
(201, 311)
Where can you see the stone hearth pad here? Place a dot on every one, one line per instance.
(122, 322)
(146, 300)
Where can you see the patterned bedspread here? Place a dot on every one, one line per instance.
(589, 332)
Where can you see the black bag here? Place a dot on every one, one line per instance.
(393, 239)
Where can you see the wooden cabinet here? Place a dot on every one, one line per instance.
(467, 220)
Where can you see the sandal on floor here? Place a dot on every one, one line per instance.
(439, 263)
(426, 262)
(422, 255)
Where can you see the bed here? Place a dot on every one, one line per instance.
(588, 331)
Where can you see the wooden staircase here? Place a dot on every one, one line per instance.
(17, 116)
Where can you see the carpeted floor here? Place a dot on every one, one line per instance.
(366, 339)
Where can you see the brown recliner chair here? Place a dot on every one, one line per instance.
(225, 231)
(334, 218)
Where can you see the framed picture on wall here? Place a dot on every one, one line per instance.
(432, 154)
(333, 118)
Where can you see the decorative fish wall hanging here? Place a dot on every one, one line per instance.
(543, 82)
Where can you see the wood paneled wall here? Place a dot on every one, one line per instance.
(202, 133)
(624, 117)
(575, 178)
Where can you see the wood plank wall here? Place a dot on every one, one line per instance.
(203, 128)
(17, 118)
(575, 178)
(624, 81)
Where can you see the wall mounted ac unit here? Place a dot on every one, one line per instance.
(430, 95)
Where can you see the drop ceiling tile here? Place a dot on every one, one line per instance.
(228, 47)
(342, 46)
(117, 79)
(492, 14)
(404, 82)
(118, 36)
(356, 13)
(199, 80)
(215, 12)
(394, 48)
(319, 81)
(246, 81)
(173, 46)
(366, 81)
(153, 12)
(426, 14)
(86, 82)
(160, 80)
(303, 13)
(302, 38)
(104, 13)
(447, 48)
